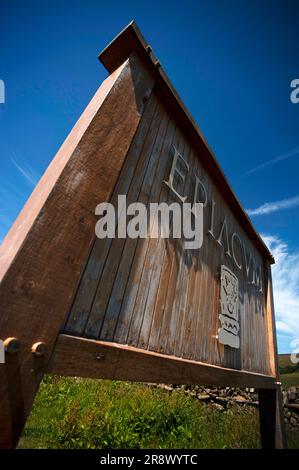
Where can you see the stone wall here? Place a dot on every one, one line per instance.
(291, 405)
(223, 399)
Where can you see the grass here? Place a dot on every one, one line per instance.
(291, 378)
(288, 380)
(83, 413)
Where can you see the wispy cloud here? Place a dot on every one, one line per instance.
(285, 156)
(13, 194)
(269, 207)
(285, 274)
(30, 175)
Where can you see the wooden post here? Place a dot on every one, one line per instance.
(271, 419)
(272, 424)
(42, 257)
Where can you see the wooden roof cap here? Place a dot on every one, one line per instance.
(131, 39)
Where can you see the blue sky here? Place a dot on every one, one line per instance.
(231, 62)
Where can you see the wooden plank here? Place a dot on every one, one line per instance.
(177, 257)
(44, 253)
(128, 254)
(126, 319)
(148, 195)
(198, 304)
(80, 310)
(101, 359)
(144, 172)
(156, 247)
(140, 325)
(164, 251)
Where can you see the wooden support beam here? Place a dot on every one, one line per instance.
(45, 252)
(267, 410)
(76, 356)
(271, 413)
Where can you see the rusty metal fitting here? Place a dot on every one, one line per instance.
(39, 348)
(11, 345)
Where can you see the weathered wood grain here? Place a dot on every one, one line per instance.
(176, 260)
(154, 294)
(148, 195)
(133, 285)
(128, 253)
(101, 359)
(79, 312)
(43, 255)
(160, 249)
(143, 172)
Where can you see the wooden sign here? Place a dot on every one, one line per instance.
(144, 308)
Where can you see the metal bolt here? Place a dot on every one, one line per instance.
(99, 356)
(12, 345)
(39, 348)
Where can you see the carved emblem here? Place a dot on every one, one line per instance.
(228, 333)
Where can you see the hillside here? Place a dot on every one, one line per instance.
(289, 372)
(285, 360)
